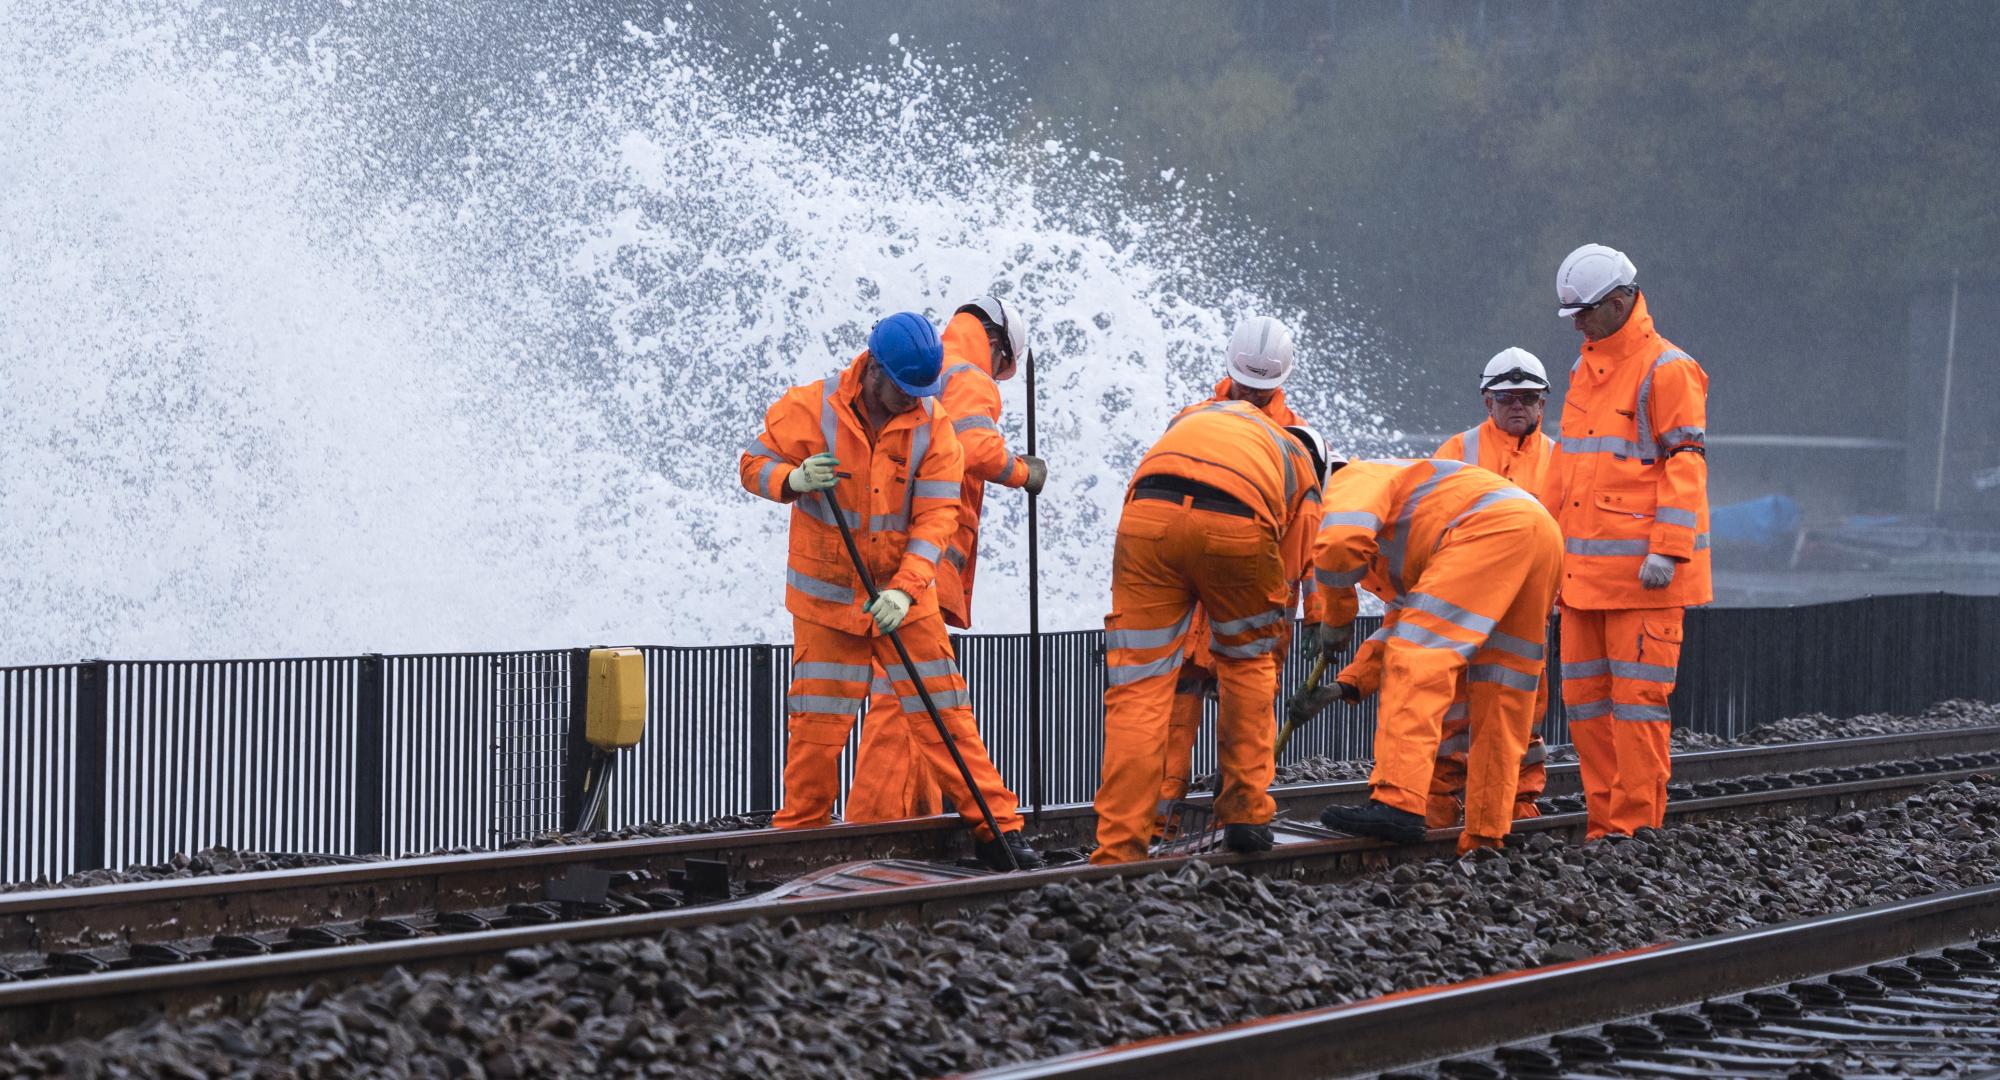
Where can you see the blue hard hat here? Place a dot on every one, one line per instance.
(907, 347)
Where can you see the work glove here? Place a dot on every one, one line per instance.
(1310, 704)
(1332, 639)
(816, 473)
(1038, 473)
(888, 609)
(1657, 572)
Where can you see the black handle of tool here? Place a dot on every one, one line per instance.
(909, 665)
(1034, 619)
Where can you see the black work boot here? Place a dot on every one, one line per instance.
(1247, 839)
(993, 856)
(1375, 819)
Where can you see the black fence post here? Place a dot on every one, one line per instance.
(575, 748)
(369, 762)
(764, 718)
(92, 807)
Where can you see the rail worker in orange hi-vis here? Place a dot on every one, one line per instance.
(1467, 565)
(1260, 359)
(1510, 442)
(1629, 485)
(872, 437)
(984, 344)
(1219, 513)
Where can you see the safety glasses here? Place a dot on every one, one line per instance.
(1519, 397)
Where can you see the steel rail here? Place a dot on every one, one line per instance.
(78, 1004)
(1436, 1022)
(51, 920)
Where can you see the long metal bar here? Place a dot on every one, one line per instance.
(1034, 615)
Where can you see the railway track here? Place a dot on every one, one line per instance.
(1907, 988)
(68, 995)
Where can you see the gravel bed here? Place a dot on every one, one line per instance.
(1068, 966)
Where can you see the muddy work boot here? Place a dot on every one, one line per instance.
(993, 856)
(1247, 839)
(1375, 819)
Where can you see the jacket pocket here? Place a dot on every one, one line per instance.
(1635, 504)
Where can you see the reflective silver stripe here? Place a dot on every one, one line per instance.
(1381, 634)
(1701, 541)
(756, 448)
(1471, 621)
(1574, 546)
(1006, 462)
(1358, 519)
(814, 506)
(1340, 579)
(1459, 710)
(1470, 452)
(955, 557)
(1124, 674)
(1248, 622)
(889, 523)
(937, 489)
(764, 475)
(1417, 635)
(1627, 669)
(1456, 745)
(1396, 550)
(924, 549)
(1506, 494)
(1604, 444)
(829, 428)
(1537, 753)
(953, 372)
(929, 669)
(813, 669)
(1287, 447)
(920, 444)
(1589, 710)
(1585, 669)
(814, 587)
(1240, 652)
(966, 423)
(1674, 515)
(880, 685)
(1505, 642)
(1622, 711)
(1643, 414)
(821, 703)
(1148, 639)
(1505, 676)
(950, 699)
(1682, 436)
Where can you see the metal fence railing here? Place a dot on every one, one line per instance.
(114, 763)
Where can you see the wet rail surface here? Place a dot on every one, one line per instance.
(71, 995)
(1906, 988)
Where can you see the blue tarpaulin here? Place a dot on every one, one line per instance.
(1763, 522)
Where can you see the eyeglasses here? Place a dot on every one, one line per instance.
(1519, 397)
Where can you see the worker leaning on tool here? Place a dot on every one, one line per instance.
(1514, 388)
(903, 466)
(1629, 485)
(1260, 359)
(984, 343)
(1220, 513)
(1466, 565)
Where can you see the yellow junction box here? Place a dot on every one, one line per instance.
(616, 714)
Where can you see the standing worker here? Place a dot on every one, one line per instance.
(984, 344)
(900, 497)
(1629, 485)
(1467, 565)
(1510, 442)
(1220, 512)
(1260, 359)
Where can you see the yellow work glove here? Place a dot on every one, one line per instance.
(815, 473)
(888, 609)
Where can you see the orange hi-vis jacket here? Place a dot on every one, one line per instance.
(1383, 520)
(1525, 460)
(1231, 446)
(972, 399)
(1275, 408)
(1630, 476)
(900, 498)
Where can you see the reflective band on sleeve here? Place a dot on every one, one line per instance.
(1340, 579)
(951, 373)
(1643, 414)
(764, 475)
(1507, 494)
(829, 428)
(1673, 515)
(1357, 519)
(1242, 652)
(937, 489)
(1505, 676)
(819, 703)
(1683, 436)
(756, 448)
(1396, 551)
(1576, 546)
(1701, 541)
(1622, 711)
(966, 423)
(1505, 642)
(1469, 441)
(1657, 673)
(1148, 639)
(950, 699)
(1125, 674)
(1585, 669)
(1589, 710)
(1470, 621)
(814, 587)
(924, 549)
(1248, 622)
(1459, 710)
(955, 557)
(813, 669)
(929, 669)
(1007, 460)
(1417, 635)
(1381, 634)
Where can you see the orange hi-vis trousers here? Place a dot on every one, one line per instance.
(1169, 556)
(1447, 802)
(1618, 671)
(1479, 613)
(892, 777)
(831, 671)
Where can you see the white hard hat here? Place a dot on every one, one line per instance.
(1589, 274)
(1260, 353)
(1323, 455)
(1016, 327)
(1514, 369)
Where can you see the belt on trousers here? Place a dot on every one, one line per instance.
(1193, 492)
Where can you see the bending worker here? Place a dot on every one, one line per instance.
(899, 491)
(1219, 512)
(1510, 442)
(1629, 485)
(983, 345)
(1260, 359)
(1467, 565)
